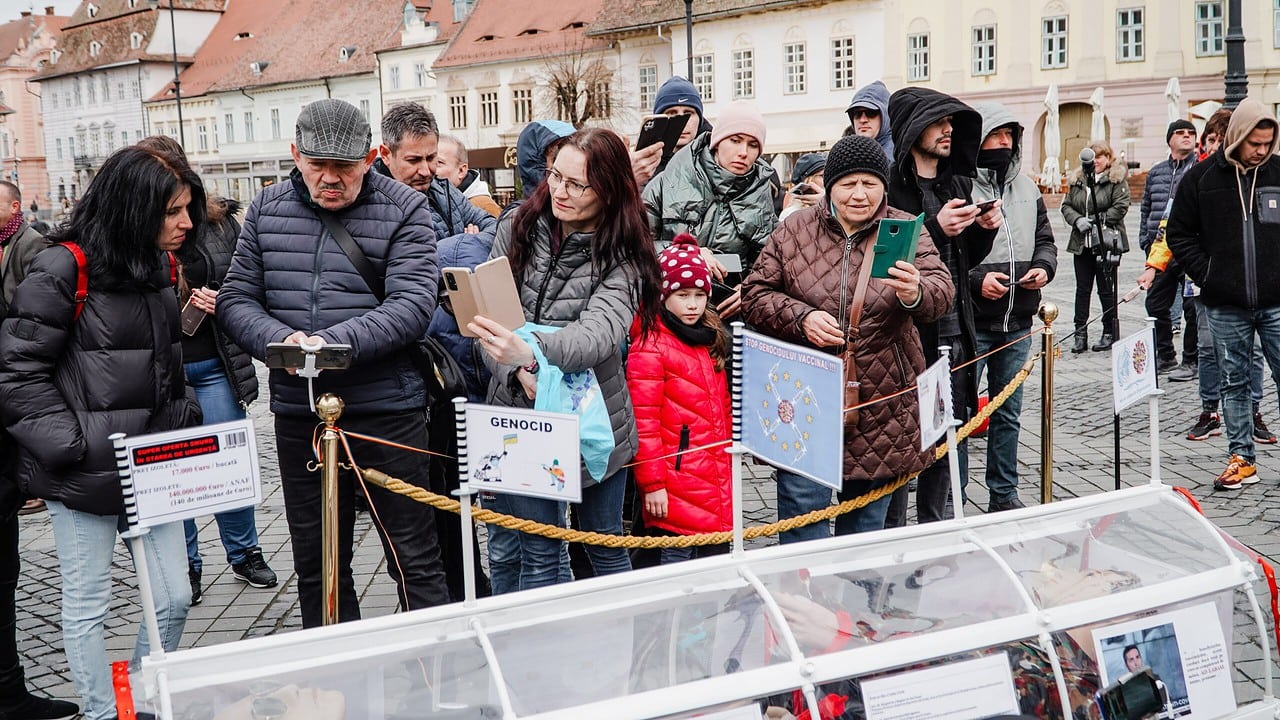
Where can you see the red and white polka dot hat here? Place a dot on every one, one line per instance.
(683, 267)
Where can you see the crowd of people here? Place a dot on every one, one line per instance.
(628, 265)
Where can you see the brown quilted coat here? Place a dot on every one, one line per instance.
(803, 268)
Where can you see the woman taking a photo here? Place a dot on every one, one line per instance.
(72, 373)
(804, 288)
(583, 261)
(1111, 193)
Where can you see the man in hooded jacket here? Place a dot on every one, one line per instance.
(869, 111)
(1224, 231)
(936, 139)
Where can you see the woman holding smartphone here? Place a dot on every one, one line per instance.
(583, 262)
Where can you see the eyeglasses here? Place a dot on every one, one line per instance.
(574, 188)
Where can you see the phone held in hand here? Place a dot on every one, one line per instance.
(331, 356)
(489, 290)
(984, 206)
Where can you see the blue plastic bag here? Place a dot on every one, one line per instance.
(577, 393)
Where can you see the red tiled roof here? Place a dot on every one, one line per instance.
(113, 33)
(16, 32)
(623, 15)
(438, 12)
(296, 39)
(498, 30)
(107, 9)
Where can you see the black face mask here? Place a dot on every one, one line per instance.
(996, 159)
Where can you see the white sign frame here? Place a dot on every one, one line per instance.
(982, 687)
(1133, 369)
(540, 446)
(933, 392)
(202, 470)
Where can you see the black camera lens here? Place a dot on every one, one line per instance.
(451, 282)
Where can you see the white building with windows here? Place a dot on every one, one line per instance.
(799, 61)
(405, 69)
(111, 56)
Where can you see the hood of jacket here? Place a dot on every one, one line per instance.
(994, 115)
(913, 109)
(875, 95)
(1116, 173)
(1246, 118)
(531, 150)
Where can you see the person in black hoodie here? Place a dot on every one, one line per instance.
(936, 139)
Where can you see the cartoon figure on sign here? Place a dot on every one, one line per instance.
(1140, 357)
(556, 472)
(489, 470)
(801, 407)
(583, 390)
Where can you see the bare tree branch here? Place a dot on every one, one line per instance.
(580, 84)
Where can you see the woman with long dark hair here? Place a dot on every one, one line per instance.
(584, 263)
(72, 373)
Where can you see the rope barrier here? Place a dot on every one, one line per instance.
(554, 532)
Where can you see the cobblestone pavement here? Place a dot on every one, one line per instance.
(1083, 462)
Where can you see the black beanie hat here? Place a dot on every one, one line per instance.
(855, 154)
(1175, 126)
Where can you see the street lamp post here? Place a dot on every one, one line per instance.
(177, 78)
(688, 36)
(1237, 80)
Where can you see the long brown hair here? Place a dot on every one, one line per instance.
(720, 348)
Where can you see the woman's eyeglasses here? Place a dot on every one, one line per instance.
(574, 188)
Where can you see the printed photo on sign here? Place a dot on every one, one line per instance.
(792, 411)
(933, 389)
(192, 472)
(1184, 650)
(526, 452)
(1133, 368)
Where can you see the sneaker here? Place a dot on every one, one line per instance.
(1186, 372)
(1209, 424)
(1013, 503)
(254, 570)
(34, 707)
(1165, 365)
(196, 595)
(1239, 472)
(1261, 434)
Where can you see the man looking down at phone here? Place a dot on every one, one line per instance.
(292, 280)
(1006, 287)
(807, 188)
(936, 139)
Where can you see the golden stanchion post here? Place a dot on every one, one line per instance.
(329, 409)
(1048, 313)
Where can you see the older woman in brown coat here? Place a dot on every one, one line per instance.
(801, 290)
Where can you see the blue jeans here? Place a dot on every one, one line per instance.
(1233, 335)
(520, 561)
(1210, 377)
(798, 495)
(1002, 435)
(85, 543)
(218, 403)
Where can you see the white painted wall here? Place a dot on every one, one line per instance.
(192, 26)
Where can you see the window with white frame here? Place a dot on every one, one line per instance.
(649, 85)
(600, 99)
(458, 112)
(248, 126)
(1209, 28)
(124, 138)
(489, 108)
(229, 128)
(984, 50)
(917, 57)
(275, 123)
(92, 87)
(137, 88)
(419, 74)
(53, 97)
(704, 76)
(1131, 35)
(77, 88)
(57, 148)
(106, 89)
(1053, 42)
(1275, 23)
(842, 76)
(793, 63)
(522, 104)
(393, 77)
(364, 109)
(71, 146)
(202, 137)
(744, 74)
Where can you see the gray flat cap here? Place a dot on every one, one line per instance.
(332, 129)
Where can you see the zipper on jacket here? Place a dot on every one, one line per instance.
(844, 286)
(546, 280)
(219, 341)
(1250, 276)
(1013, 275)
(684, 445)
(315, 281)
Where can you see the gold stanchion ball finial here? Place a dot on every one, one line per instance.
(329, 408)
(1048, 312)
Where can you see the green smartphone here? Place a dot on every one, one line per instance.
(895, 240)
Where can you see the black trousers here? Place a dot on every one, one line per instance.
(12, 683)
(406, 528)
(1091, 271)
(1160, 298)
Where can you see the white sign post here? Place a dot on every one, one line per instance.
(1133, 377)
(938, 418)
(524, 452)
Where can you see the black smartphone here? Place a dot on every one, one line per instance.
(805, 189)
(1008, 282)
(289, 355)
(985, 206)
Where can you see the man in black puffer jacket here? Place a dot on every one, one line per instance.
(291, 281)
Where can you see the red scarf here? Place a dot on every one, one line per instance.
(10, 227)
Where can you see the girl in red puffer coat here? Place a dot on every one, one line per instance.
(679, 386)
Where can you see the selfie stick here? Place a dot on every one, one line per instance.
(464, 494)
(309, 369)
(953, 452)
(735, 449)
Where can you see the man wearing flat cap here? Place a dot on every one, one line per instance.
(296, 278)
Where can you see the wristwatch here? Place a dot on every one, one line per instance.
(532, 368)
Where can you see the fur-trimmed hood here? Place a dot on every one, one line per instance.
(1117, 173)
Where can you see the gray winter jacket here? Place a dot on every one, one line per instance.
(289, 274)
(1112, 192)
(595, 314)
(733, 215)
(1162, 182)
(1024, 240)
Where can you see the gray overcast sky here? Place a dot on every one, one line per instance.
(9, 9)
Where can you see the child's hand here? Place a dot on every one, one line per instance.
(655, 503)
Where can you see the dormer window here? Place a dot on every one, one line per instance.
(243, 35)
(345, 52)
(530, 31)
(576, 25)
(92, 10)
(133, 4)
(135, 40)
(484, 38)
(258, 66)
(53, 56)
(95, 48)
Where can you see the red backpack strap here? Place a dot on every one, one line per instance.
(82, 276)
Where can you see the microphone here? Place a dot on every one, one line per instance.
(1086, 161)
